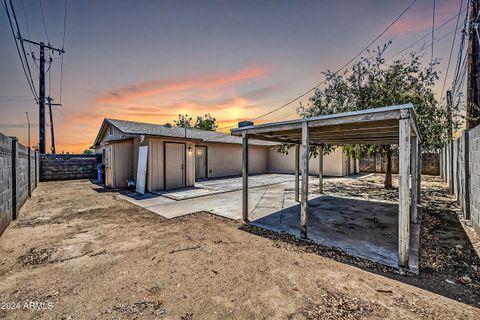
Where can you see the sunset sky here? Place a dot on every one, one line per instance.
(151, 60)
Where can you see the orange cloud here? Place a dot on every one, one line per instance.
(151, 88)
(229, 97)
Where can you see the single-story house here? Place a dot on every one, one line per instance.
(177, 157)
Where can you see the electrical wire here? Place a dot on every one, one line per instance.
(27, 74)
(451, 48)
(433, 31)
(43, 19)
(336, 72)
(460, 53)
(63, 44)
(423, 37)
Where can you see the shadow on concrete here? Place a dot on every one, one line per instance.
(362, 228)
(448, 263)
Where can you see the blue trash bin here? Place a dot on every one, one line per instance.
(100, 170)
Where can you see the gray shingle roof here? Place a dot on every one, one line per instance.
(138, 128)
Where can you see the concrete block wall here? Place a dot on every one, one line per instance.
(378, 164)
(474, 162)
(6, 202)
(461, 170)
(67, 167)
(14, 178)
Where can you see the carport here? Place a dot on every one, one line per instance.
(384, 126)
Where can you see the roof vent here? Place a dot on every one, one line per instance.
(245, 124)
(167, 125)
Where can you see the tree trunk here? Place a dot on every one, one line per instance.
(388, 175)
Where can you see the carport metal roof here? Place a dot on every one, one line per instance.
(370, 126)
(386, 125)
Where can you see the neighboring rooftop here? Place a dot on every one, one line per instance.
(140, 128)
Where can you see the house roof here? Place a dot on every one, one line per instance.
(140, 128)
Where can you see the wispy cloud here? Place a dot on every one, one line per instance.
(161, 87)
(227, 96)
(422, 19)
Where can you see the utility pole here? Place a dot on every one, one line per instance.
(29, 160)
(473, 77)
(450, 139)
(28, 123)
(449, 115)
(41, 93)
(50, 104)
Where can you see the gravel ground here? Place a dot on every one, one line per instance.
(79, 253)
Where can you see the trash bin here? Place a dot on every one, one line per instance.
(101, 172)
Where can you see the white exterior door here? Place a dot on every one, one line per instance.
(200, 162)
(142, 169)
(174, 165)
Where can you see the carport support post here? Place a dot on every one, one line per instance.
(245, 178)
(419, 173)
(304, 202)
(403, 192)
(320, 168)
(297, 172)
(414, 179)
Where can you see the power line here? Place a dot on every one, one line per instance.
(433, 30)
(26, 22)
(63, 44)
(427, 47)
(17, 125)
(451, 48)
(43, 19)
(423, 37)
(460, 53)
(21, 44)
(27, 74)
(336, 72)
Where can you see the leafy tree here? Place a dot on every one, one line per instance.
(87, 151)
(206, 122)
(371, 83)
(183, 121)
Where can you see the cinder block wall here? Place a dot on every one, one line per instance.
(14, 186)
(474, 157)
(5, 182)
(464, 185)
(68, 166)
(378, 164)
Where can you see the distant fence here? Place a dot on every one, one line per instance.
(68, 166)
(19, 173)
(378, 164)
(460, 168)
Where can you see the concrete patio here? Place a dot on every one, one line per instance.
(363, 228)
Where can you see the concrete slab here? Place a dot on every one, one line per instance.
(363, 228)
(222, 185)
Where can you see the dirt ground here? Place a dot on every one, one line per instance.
(81, 253)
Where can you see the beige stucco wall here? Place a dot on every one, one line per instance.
(226, 159)
(333, 163)
(155, 179)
